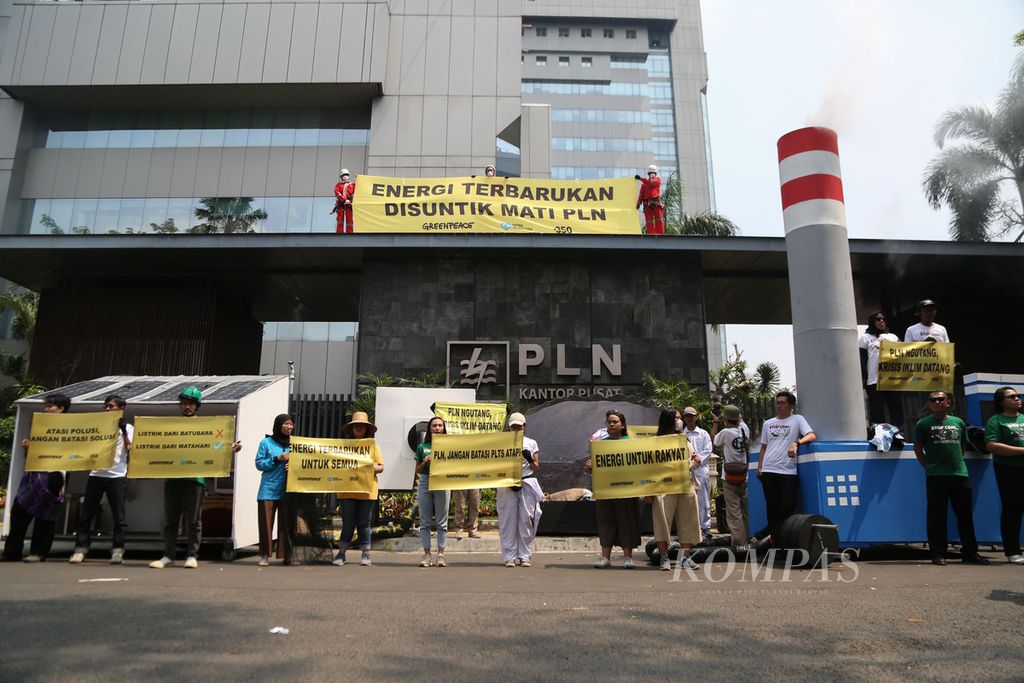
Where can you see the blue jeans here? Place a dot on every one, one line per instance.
(433, 505)
(355, 516)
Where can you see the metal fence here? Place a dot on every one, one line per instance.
(319, 415)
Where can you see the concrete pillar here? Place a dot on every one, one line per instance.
(821, 284)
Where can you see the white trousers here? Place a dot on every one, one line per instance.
(518, 519)
(703, 499)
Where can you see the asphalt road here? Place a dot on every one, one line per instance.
(477, 620)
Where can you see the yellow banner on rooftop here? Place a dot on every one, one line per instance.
(482, 204)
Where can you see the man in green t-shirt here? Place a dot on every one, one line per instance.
(1004, 439)
(939, 442)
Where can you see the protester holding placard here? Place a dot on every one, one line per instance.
(183, 498)
(39, 498)
(272, 461)
(681, 508)
(519, 506)
(356, 508)
(433, 504)
(618, 519)
(878, 401)
(112, 482)
(1004, 438)
(927, 329)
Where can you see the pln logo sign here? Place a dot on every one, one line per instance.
(481, 365)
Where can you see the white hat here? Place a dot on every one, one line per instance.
(689, 410)
(652, 169)
(516, 419)
(344, 171)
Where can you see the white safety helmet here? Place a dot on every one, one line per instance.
(491, 168)
(344, 172)
(652, 169)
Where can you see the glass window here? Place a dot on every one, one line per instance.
(107, 211)
(542, 60)
(142, 139)
(356, 136)
(323, 219)
(189, 137)
(165, 138)
(212, 137)
(259, 137)
(120, 139)
(315, 331)
(586, 62)
(270, 331)
(57, 220)
(306, 137)
(235, 137)
(277, 214)
(541, 31)
(563, 33)
(342, 332)
(74, 139)
(182, 211)
(563, 61)
(54, 139)
(609, 33)
(154, 215)
(330, 137)
(300, 214)
(41, 207)
(83, 217)
(282, 137)
(585, 33)
(631, 33)
(130, 218)
(289, 331)
(96, 139)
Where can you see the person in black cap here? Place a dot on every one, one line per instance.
(927, 329)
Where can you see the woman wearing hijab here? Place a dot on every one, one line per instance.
(272, 461)
(356, 508)
(870, 343)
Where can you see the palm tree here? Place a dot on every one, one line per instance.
(678, 222)
(23, 307)
(975, 177)
(227, 215)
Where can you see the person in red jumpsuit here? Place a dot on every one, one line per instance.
(344, 191)
(650, 197)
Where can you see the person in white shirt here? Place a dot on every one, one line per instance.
(700, 442)
(112, 482)
(734, 441)
(781, 437)
(878, 401)
(519, 508)
(927, 329)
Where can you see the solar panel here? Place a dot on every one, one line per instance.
(78, 389)
(172, 392)
(237, 390)
(133, 389)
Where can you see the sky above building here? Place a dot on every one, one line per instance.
(881, 73)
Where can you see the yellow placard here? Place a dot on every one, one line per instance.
(629, 468)
(181, 447)
(476, 461)
(642, 431)
(915, 366)
(471, 418)
(510, 205)
(79, 441)
(330, 465)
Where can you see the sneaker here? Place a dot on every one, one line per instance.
(458, 536)
(1015, 559)
(162, 563)
(939, 561)
(339, 561)
(191, 563)
(78, 557)
(425, 560)
(666, 564)
(441, 562)
(32, 558)
(364, 561)
(473, 534)
(628, 563)
(603, 563)
(688, 563)
(510, 563)
(525, 562)
(974, 559)
(117, 556)
(264, 561)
